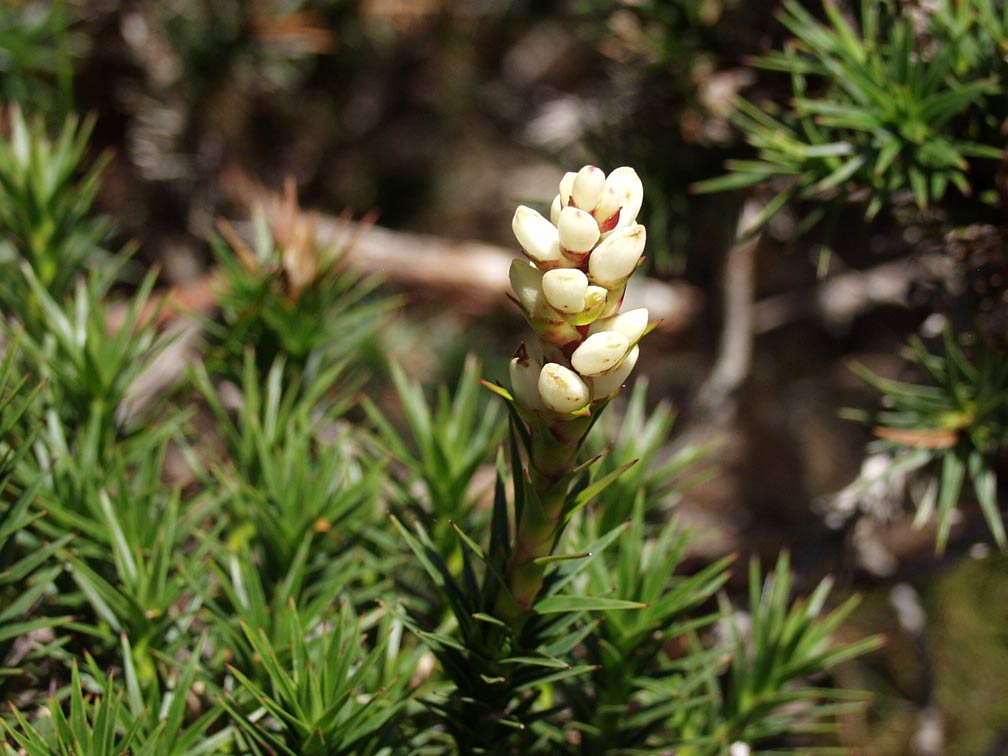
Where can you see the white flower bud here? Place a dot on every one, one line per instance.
(524, 371)
(607, 212)
(604, 385)
(600, 353)
(526, 280)
(537, 236)
(565, 289)
(578, 229)
(631, 324)
(588, 187)
(629, 192)
(566, 186)
(555, 209)
(562, 390)
(613, 260)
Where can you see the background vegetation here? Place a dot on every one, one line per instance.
(825, 192)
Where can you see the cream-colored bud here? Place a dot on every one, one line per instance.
(631, 324)
(555, 209)
(565, 289)
(608, 209)
(566, 186)
(562, 390)
(526, 280)
(629, 193)
(537, 236)
(588, 187)
(604, 385)
(600, 353)
(524, 372)
(578, 229)
(617, 256)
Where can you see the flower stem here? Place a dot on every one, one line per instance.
(553, 457)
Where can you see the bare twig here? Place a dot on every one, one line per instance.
(735, 351)
(841, 298)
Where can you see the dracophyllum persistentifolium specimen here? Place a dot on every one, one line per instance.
(570, 289)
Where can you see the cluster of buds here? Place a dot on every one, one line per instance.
(571, 289)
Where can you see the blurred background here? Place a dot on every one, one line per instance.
(436, 118)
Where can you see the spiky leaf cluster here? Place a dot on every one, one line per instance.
(950, 430)
(878, 111)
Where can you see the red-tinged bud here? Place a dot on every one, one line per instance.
(629, 190)
(609, 223)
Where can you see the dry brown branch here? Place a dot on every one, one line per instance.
(736, 347)
(842, 297)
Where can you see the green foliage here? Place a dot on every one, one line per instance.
(450, 442)
(772, 662)
(873, 115)
(35, 56)
(122, 575)
(327, 691)
(87, 362)
(268, 405)
(951, 429)
(46, 215)
(289, 294)
(226, 585)
(72, 468)
(119, 720)
(239, 595)
(629, 705)
(90, 435)
(132, 582)
(294, 476)
(90, 728)
(498, 670)
(26, 572)
(268, 44)
(641, 434)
